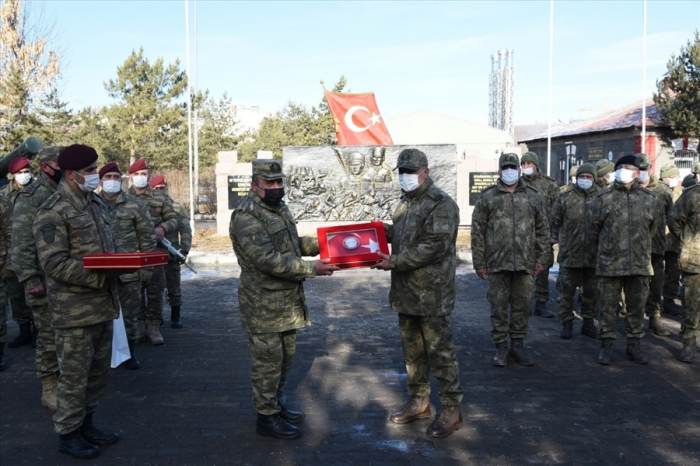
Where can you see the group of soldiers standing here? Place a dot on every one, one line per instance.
(47, 225)
(625, 238)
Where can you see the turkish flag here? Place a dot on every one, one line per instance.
(350, 246)
(357, 120)
(351, 243)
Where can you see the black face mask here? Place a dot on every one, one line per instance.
(273, 197)
(56, 177)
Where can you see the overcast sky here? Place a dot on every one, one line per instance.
(412, 55)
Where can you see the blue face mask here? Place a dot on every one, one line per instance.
(510, 176)
(584, 184)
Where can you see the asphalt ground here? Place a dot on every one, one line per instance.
(190, 403)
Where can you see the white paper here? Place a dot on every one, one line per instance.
(120, 344)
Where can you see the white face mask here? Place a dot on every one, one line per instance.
(23, 178)
(408, 181)
(91, 183)
(509, 176)
(643, 176)
(529, 171)
(584, 184)
(673, 182)
(610, 177)
(111, 186)
(140, 181)
(624, 175)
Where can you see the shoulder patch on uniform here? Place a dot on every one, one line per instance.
(48, 232)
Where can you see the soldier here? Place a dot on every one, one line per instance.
(549, 191)
(572, 180)
(5, 241)
(26, 265)
(684, 225)
(604, 168)
(181, 239)
(21, 311)
(71, 223)
(670, 175)
(422, 263)
(510, 244)
(568, 222)
(624, 219)
(270, 292)
(133, 231)
(689, 181)
(165, 220)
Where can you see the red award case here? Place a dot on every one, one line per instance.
(127, 261)
(351, 246)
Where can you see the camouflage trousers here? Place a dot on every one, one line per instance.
(656, 283)
(427, 344)
(46, 360)
(569, 280)
(509, 291)
(152, 295)
(172, 279)
(84, 356)
(672, 275)
(130, 300)
(271, 359)
(542, 287)
(21, 311)
(691, 315)
(3, 314)
(636, 288)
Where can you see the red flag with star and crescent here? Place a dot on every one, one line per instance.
(357, 120)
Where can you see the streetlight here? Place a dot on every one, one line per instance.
(570, 160)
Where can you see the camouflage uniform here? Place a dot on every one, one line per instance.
(568, 221)
(163, 215)
(83, 303)
(133, 231)
(658, 245)
(5, 262)
(672, 271)
(270, 288)
(181, 239)
(509, 236)
(623, 225)
(423, 262)
(603, 167)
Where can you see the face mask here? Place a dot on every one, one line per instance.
(91, 182)
(111, 186)
(643, 176)
(528, 171)
(610, 177)
(56, 177)
(23, 178)
(509, 176)
(573, 179)
(273, 197)
(408, 181)
(140, 181)
(624, 176)
(673, 182)
(584, 184)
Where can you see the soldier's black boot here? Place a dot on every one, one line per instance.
(588, 328)
(605, 353)
(175, 321)
(75, 445)
(688, 350)
(292, 417)
(567, 330)
(97, 436)
(276, 427)
(634, 352)
(3, 365)
(542, 311)
(418, 407)
(657, 327)
(132, 363)
(501, 357)
(24, 337)
(670, 307)
(518, 352)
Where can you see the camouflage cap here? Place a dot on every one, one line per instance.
(508, 159)
(50, 154)
(669, 170)
(644, 161)
(603, 167)
(587, 168)
(696, 168)
(268, 169)
(412, 159)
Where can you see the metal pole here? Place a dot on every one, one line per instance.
(551, 58)
(644, 81)
(189, 108)
(196, 122)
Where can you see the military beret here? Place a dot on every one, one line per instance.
(140, 164)
(411, 159)
(689, 181)
(268, 169)
(603, 167)
(110, 167)
(644, 161)
(156, 180)
(76, 156)
(530, 157)
(18, 164)
(587, 168)
(627, 160)
(669, 170)
(508, 159)
(50, 154)
(696, 168)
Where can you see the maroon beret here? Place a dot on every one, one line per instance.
(110, 167)
(156, 180)
(140, 164)
(76, 157)
(18, 164)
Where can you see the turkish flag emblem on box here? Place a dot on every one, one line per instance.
(357, 120)
(127, 261)
(351, 246)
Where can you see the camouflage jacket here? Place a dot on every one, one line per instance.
(568, 221)
(182, 237)
(6, 211)
(11, 190)
(161, 209)
(269, 251)
(132, 227)
(423, 252)
(684, 223)
(24, 258)
(623, 223)
(510, 230)
(672, 243)
(566, 188)
(67, 227)
(547, 188)
(602, 184)
(664, 202)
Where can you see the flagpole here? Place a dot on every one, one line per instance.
(644, 80)
(189, 108)
(551, 58)
(196, 122)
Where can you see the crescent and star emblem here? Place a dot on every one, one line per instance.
(351, 124)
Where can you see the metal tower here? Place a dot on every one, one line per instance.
(502, 91)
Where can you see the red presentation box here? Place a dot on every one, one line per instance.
(125, 260)
(351, 246)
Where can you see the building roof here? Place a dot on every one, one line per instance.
(620, 118)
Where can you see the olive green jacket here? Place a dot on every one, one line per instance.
(569, 222)
(182, 237)
(684, 223)
(160, 207)
(6, 211)
(665, 202)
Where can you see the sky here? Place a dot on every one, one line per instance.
(412, 55)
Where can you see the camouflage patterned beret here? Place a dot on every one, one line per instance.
(50, 154)
(412, 159)
(268, 169)
(644, 161)
(508, 159)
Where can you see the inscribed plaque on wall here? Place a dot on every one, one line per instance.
(238, 187)
(478, 181)
(595, 153)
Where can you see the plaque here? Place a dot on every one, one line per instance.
(127, 261)
(595, 153)
(478, 181)
(238, 187)
(352, 246)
